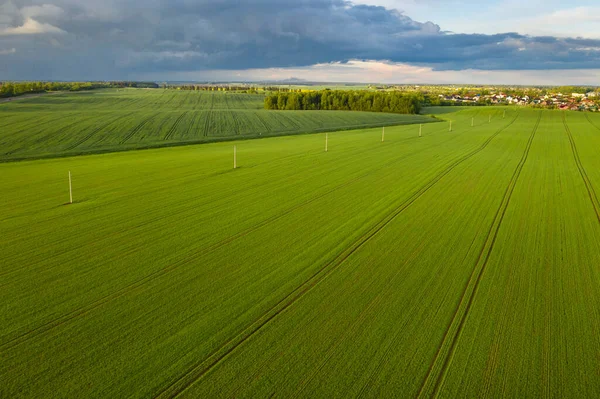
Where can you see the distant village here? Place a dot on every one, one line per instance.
(575, 98)
(572, 101)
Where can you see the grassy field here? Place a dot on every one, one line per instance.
(111, 120)
(457, 264)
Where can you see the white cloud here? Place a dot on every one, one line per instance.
(31, 27)
(45, 10)
(573, 16)
(579, 21)
(8, 51)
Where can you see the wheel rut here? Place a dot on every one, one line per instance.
(584, 176)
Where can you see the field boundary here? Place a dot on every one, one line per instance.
(439, 366)
(198, 370)
(586, 180)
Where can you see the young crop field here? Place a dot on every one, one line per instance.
(462, 263)
(112, 120)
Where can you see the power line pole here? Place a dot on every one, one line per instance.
(70, 189)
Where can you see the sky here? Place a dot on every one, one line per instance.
(372, 41)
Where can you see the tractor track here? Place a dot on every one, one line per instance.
(439, 366)
(174, 127)
(588, 184)
(136, 129)
(93, 132)
(590, 121)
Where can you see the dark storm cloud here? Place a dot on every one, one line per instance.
(112, 39)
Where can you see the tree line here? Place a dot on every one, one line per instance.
(346, 100)
(12, 89)
(233, 88)
(207, 87)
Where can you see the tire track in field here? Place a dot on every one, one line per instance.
(175, 126)
(590, 121)
(200, 369)
(263, 123)
(28, 126)
(88, 136)
(146, 279)
(588, 184)
(43, 137)
(208, 114)
(136, 129)
(38, 125)
(189, 132)
(439, 366)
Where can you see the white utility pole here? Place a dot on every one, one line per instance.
(450, 129)
(70, 189)
(326, 139)
(234, 157)
(383, 134)
(420, 130)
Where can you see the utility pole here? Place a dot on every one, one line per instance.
(70, 189)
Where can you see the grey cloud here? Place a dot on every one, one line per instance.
(125, 38)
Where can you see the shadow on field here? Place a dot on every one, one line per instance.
(78, 202)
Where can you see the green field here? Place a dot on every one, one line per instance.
(110, 120)
(457, 264)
